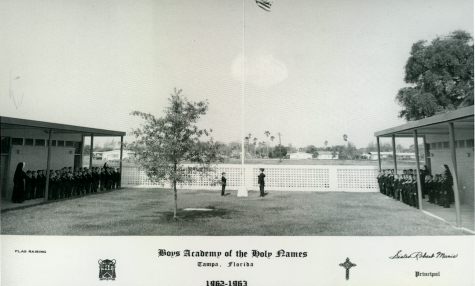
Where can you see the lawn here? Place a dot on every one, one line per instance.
(149, 211)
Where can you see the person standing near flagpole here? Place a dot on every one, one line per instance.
(223, 183)
(261, 182)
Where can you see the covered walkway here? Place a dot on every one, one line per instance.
(448, 215)
(43, 145)
(447, 140)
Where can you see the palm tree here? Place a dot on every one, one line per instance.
(272, 139)
(255, 141)
(267, 133)
(246, 141)
(326, 143)
(345, 138)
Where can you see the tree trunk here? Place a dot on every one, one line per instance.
(176, 199)
(174, 191)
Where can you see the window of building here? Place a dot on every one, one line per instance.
(469, 143)
(69, 144)
(440, 145)
(29, 142)
(60, 143)
(77, 147)
(5, 145)
(433, 145)
(17, 141)
(53, 142)
(460, 144)
(40, 142)
(446, 144)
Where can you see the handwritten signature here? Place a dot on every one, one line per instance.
(420, 254)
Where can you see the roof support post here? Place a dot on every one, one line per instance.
(454, 174)
(418, 170)
(48, 162)
(394, 152)
(379, 153)
(81, 151)
(426, 155)
(120, 161)
(90, 151)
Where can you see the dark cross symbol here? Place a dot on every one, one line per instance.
(347, 264)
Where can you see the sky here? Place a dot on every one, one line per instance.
(309, 70)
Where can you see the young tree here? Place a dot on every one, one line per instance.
(440, 75)
(163, 143)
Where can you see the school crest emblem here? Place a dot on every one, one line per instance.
(106, 269)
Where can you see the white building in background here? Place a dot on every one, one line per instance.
(327, 155)
(300, 156)
(374, 155)
(114, 155)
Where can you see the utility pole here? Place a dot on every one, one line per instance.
(280, 151)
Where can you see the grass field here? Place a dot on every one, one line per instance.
(149, 211)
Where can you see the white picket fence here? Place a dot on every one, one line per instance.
(278, 178)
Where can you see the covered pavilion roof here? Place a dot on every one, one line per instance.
(17, 123)
(462, 119)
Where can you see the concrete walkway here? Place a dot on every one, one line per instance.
(448, 214)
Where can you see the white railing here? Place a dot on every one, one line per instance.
(331, 178)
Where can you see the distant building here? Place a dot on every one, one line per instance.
(97, 155)
(115, 155)
(300, 156)
(374, 155)
(327, 155)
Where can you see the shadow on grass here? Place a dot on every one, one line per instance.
(193, 215)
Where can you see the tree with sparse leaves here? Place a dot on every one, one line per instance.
(162, 144)
(440, 75)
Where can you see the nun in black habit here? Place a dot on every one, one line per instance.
(18, 195)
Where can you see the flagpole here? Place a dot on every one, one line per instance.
(242, 191)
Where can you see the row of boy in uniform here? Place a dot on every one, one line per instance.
(404, 187)
(66, 182)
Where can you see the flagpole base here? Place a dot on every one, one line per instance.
(242, 191)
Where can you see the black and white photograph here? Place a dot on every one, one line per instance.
(237, 142)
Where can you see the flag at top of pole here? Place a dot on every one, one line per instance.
(264, 4)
